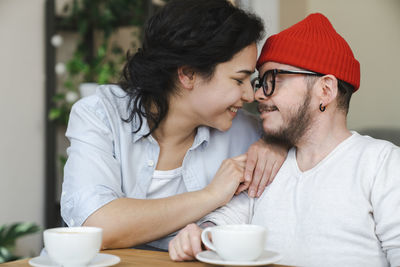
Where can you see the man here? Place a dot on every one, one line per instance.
(336, 199)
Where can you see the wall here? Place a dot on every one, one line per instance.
(269, 12)
(371, 27)
(21, 116)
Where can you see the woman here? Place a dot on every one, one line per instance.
(147, 157)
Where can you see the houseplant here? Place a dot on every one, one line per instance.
(8, 236)
(96, 59)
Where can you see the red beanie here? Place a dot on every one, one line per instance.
(313, 44)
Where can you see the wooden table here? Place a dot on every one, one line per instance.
(136, 257)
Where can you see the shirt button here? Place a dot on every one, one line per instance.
(71, 222)
(150, 163)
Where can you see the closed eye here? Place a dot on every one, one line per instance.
(239, 82)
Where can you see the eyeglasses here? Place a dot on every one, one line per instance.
(267, 82)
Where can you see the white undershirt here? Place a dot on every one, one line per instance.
(166, 184)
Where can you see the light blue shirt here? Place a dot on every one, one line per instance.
(106, 160)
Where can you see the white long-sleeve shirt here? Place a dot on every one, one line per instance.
(343, 212)
(107, 159)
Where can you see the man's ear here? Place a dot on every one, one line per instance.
(186, 77)
(328, 90)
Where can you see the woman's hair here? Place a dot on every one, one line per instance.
(198, 34)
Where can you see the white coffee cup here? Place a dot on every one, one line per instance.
(242, 242)
(72, 246)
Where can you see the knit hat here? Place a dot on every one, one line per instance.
(313, 44)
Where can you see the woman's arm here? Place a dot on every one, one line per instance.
(128, 222)
(92, 188)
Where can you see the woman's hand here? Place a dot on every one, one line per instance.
(186, 244)
(227, 179)
(263, 163)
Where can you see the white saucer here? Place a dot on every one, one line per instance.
(267, 257)
(100, 260)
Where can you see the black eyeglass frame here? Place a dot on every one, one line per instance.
(263, 83)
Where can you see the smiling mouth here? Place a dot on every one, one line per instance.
(266, 108)
(234, 109)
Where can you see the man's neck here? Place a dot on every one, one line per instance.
(321, 139)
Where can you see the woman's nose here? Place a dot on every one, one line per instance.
(248, 94)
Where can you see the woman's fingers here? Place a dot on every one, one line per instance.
(241, 158)
(227, 179)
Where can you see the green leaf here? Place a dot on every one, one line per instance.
(58, 97)
(26, 228)
(15, 231)
(8, 236)
(2, 229)
(69, 85)
(105, 74)
(54, 114)
(76, 65)
(102, 50)
(63, 160)
(6, 255)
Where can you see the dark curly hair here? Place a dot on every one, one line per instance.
(195, 33)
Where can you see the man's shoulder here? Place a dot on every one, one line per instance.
(372, 143)
(373, 147)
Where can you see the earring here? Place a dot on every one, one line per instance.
(321, 108)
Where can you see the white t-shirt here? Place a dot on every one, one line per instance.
(343, 212)
(166, 184)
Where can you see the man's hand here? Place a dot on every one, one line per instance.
(263, 163)
(186, 244)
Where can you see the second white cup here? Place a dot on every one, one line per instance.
(242, 242)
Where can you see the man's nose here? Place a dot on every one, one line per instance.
(259, 95)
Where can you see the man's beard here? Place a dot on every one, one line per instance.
(296, 127)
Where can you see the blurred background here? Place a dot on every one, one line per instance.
(52, 51)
